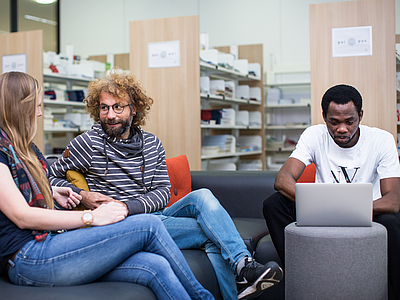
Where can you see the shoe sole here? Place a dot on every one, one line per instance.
(261, 284)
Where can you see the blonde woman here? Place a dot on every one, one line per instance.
(34, 250)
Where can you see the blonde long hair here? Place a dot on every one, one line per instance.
(19, 96)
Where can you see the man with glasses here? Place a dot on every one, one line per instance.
(121, 162)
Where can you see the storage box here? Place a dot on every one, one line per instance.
(242, 66)
(205, 84)
(230, 89)
(210, 56)
(242, 92)
(226, 60)
(242, 118)
(255, 69)
(255, 93)
(255, 118)
(217, 87)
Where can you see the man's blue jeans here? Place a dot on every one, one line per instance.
(199, 221)
(137, 250)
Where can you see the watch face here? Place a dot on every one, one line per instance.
(87, 217)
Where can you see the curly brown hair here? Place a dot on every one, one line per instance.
(119, 84)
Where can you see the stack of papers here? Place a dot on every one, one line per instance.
(226, 143)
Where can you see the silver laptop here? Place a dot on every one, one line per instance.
(334, 204)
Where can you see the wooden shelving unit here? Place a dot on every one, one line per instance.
(254, 54)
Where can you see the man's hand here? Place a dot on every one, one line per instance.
(92, 200)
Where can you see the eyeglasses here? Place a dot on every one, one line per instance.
(117, 108)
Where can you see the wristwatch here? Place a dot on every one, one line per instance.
(87, 217)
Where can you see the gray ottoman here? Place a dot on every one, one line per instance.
(336, 262)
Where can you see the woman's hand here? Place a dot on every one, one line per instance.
(109, 213)
(66, 197)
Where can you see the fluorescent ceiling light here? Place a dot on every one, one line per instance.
(45, 1)
(41, 20)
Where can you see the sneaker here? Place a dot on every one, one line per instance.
(256, 278)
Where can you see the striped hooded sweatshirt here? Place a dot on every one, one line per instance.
(131, 170)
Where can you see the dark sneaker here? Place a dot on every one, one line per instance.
(256, 278)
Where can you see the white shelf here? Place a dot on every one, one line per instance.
(64, 103)
(57, 78)
(61, 129)
(232, 154)
(294, 83)
(283, 149)
(293, 105)
(205, 126)
(217, 99)
(216, 71)
(275, 127)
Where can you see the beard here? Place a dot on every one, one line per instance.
(344, 143)
(116, 132)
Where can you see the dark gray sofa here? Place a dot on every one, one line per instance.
(240, 192)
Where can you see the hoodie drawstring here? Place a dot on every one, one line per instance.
(105, 153)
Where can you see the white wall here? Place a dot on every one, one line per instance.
(98, 27)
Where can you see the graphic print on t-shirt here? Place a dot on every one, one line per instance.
(345, 174)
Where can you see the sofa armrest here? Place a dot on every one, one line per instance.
(241, 193)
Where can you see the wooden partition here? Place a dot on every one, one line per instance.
(31, 43)
(374, 76)
(175, 114)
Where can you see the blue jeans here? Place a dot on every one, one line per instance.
(137, 250)
(199, 221)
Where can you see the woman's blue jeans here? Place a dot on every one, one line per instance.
(198, 220)
(137, 250)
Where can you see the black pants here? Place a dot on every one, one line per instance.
(279, 212)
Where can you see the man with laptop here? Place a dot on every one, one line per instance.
(343, 151)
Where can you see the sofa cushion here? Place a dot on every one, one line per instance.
(178, 172)
(179, 176)
(77, 179)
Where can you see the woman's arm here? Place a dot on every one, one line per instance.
(14, 206)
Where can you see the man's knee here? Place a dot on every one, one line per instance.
(390, 221)
(271, 202)
(203, 197)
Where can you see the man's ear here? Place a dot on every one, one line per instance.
(361, 115)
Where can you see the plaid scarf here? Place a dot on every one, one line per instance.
(20, 173)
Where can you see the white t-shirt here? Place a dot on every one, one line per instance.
(374, 156)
